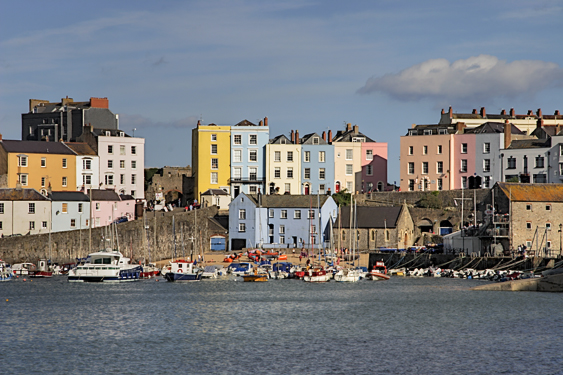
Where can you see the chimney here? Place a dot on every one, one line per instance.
(292, 137)
(503, 112)
(348, 127)
(530, 112)
(512, 113)
(356, 129)
(483, 112)
(0, 137)
(556, 113)
(413, 126)
(265, 121)
(507, 133)
(329, 136)
(459, 127)
(324, 136)
(198, 122)
(474, 111)
(443, 111)
(539, 123)
(260, 123)
(297, 137)
(539, 112)
(451, 112)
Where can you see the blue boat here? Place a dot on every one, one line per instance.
(240, 269)
(281, 270)
(182, 270)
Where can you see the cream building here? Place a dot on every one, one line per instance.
(283, 166)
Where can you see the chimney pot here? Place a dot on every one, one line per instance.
(483, 112)
(539, 112)
(512, 112)
(265, 121)
(356, 129)
(503, 112)
(530, 112)
(198, 122)
(292, 137)
(451, 112)
(443, 111)
(260, 123)
(348, 127)
(557, 112)
(0, 137)
(329, 136)
(324, 136)
(297, 137)
(474, 111)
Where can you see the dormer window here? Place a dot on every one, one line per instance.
(428, 132)
(358, 139)
(413, 132)
(282, 141)
(442, 131)
(315, 140)
(121, 134)
(108, 133)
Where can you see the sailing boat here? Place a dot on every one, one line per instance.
(350, 275)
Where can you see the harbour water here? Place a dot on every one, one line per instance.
(400, 326)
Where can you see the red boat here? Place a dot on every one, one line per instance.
(379, 272)
(42, 270)
(149, 271)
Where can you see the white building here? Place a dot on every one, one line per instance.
(122, 160)
(23, 211)
(87, 166)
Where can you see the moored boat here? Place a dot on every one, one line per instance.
(5, 271)
(150, 271)
(257, 276)
(379, 272)
(105, 266)
(23, 269)
(182, 270)
(316, 275)
(42, 269)
(347, 275)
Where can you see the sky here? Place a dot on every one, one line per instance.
(306, 65)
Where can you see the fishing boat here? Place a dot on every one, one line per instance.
(316, 275)
(150, 271)
(347, 275)
(5, 271)
(105, 266)
(182, 270)
(379, 272)
(42, 270)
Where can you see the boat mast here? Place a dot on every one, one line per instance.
(174, 235)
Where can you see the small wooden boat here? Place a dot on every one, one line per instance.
(255, 277)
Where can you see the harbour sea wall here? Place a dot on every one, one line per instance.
(451, 261)
(133, 239)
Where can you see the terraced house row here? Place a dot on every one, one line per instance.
(242, 158)
(477, 150)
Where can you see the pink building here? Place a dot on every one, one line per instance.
(107, 206)
(374, 166)
(463, 160)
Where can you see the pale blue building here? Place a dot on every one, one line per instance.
(281, 221)
(70, 210)
(317, 163)
(248, 143)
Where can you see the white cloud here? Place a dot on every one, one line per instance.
(477, 78)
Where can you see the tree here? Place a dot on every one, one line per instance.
(342, 198)
(430, 200)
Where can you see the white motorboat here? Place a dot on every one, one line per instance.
(213, 272)
(23, 269)
(347, 275)
(105, 266)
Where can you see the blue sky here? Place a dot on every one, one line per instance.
(307, 65)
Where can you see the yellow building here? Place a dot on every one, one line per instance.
(211, 158)
(37, 165)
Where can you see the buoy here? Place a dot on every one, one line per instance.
(24, 280)
(6, 300)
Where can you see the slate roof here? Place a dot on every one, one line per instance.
(289, 201)
(69, 196)
(419, 129)
(104, 195)
(530, 143)
(245, 123)
(491, 128)
(126, 197)
(215, 192)
(346, 136)
(278, 140)
(36, 147)
(532, 192)
(80, 148)
(371, 217)
(21, 195)
(307, 139)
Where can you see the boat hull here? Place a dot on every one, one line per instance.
(251, 278)
(126, 275)
(182, 277)
(378, 276)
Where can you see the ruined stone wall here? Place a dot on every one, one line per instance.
(67, 246)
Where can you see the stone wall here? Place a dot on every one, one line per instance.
(396, 198)
(67, 246)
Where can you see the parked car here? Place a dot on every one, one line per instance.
(121, 219)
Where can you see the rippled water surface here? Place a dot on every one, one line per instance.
(400, 326)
